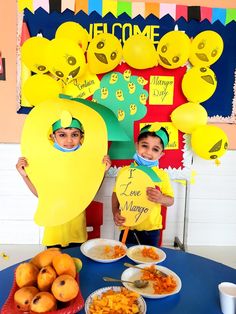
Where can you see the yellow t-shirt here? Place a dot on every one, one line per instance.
(73, 231)
(154, 220)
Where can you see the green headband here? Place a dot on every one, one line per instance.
(74, 124)
(160, 133)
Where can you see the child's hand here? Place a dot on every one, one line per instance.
(107, 161)
(118, 219)
(154, 195)
(20, 166)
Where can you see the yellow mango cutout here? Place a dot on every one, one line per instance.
(131, 185)
(66, 182)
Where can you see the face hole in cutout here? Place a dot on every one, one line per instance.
(67, 139)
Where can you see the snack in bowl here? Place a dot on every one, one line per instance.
(146, 254)
(115, 300)
(103, 250)
(163, 282)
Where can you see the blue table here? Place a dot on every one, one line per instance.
(200, 278)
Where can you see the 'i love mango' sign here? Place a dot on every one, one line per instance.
(131, 185)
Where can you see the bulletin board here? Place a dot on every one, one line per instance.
(122, 20)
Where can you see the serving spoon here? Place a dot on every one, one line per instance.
(137, 283)
(156, 271)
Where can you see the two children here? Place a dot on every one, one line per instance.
(149, 149)
(67, 140)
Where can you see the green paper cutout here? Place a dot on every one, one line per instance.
(230, 15)
(149, 171)
(126, 97)
(114, 130)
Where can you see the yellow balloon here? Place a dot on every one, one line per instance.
(104, 53)
(188, 117)
(66, 182)
(33, 54)
(131, 186)
(199, 84)
(206, 48)
(40, 87)
(75, 32)
(139, 52)
(65, 59)
(209, 142)
(173, 49)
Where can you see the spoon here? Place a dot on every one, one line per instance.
(136, 283)
(157, 271)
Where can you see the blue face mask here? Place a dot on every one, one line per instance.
(145, 162)
(63, 149)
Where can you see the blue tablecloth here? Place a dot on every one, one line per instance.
(200, 278)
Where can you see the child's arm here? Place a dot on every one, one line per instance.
(20, 166)
(118, 219)
(155, 195)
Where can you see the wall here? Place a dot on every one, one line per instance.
(212, 215)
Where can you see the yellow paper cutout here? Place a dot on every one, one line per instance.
(23, 4)
(83, 87)
(25, 74)
(66, 182)
(172, 131)
(131, 186)
(161, 90)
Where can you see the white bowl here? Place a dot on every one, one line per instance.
(141, 303)
(131, 274)
(94, 249)
(134, 253)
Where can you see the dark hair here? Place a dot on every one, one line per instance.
(145, 134)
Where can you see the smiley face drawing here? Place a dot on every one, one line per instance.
(206, 48)
(104, 53)
(132, 109)
(199, 84)
(33, 54)
(119, 95)
(173, 49)
(120, 115)
(104, 93)
(127, 74)
(141, 80)
(65, 59)
(143, 99)
(114, 78)
(131, 87)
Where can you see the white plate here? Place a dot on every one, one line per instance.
(141, 303)
(94, 249)
(134, 253)
(132, 274)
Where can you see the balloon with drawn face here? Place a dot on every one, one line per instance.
(199, 84)
(206, 48)
(65, 59)
(75, 32)
(104, 53)
(173, 49)
(209, 142)
(33, 54)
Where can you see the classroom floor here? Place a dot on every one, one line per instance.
(12, 254)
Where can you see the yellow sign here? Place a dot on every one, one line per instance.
(172, 131)
(161, 90)
(83, 86)
(131, 185)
